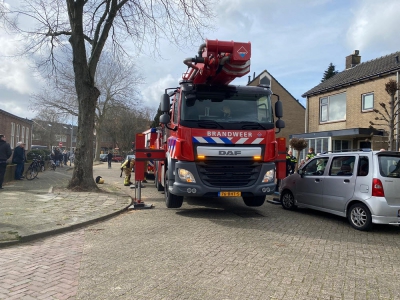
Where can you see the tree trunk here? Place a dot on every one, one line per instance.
(98, 142)
(82, 178)
(87, 93)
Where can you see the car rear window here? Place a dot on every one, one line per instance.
(389, 166)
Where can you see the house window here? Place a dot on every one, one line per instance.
(333, 108)
(23, 134)
(12, 141)
(61, 138)
(367, 101)
(17, 133)
(27, 138)
(341, 145)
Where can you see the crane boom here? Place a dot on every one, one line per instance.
(218, 62)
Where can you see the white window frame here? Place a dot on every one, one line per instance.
(23, 134)
(325, 106)
(363, 96)
(27, 137)
(350, 147)
(17, 132)
(12, 140)
(61, 138)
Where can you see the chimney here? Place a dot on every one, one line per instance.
(353, 59)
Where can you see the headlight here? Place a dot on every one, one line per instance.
(269, 176)
(185, 175)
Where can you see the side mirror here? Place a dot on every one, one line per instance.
(164, 118)
(280, 124)
(279, 110)
(301, 172)
(165, 103)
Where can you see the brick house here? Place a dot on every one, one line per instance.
(340, 108)
(293, 110)
(16, 129)
(47, 135)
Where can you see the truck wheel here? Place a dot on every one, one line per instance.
(254, 201)
(171, 200)
(359, 217)
(159, 187)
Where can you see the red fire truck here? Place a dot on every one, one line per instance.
(219, 139)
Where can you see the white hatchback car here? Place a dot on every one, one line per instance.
(363, 186)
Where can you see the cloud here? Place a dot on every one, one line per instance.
(375, 25)
(152, 93)
(16, 72)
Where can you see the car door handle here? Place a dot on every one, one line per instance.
(317, 180)
(346, 180)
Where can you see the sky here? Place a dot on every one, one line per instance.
(294, 40)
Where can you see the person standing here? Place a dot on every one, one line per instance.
(109, 159)
(310, 154)
(293, 161)
(5, 153)
(127, 167)
(19, 159)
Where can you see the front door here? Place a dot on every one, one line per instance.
(309, 187)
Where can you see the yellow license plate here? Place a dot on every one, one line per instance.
(229, 194)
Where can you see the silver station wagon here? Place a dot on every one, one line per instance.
(363, 186)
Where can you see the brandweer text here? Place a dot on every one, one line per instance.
(229, 134)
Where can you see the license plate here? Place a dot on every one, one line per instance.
(229, 194)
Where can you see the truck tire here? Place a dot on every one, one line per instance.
(159, 187)
(254, 201)
(171, 200)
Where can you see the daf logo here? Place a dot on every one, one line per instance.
(222, 152)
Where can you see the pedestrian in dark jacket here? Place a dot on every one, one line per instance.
(109, 159)
(5, 153)
(19, 159)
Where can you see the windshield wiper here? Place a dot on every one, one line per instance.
(251, 125)
(209, 124)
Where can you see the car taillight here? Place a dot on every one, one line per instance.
(377, 188)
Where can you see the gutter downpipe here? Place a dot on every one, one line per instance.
(306, 120)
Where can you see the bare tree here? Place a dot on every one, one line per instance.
(118, 83)
(88, 26)
(47, 125)
(123, 124)
(388, 118)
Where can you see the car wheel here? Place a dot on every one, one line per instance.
(254, 201)
(287, 200)
(171, 200)
(359, 217)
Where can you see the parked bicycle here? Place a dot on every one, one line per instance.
(33, 169)
(52, 163)
(41, 163)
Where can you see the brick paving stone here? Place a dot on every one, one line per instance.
(44, 257)
(28, 208)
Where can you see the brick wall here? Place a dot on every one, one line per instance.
(293, 111)
(6, 120)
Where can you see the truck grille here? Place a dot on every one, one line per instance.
(230, 173)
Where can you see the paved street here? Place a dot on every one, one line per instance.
(208, 249)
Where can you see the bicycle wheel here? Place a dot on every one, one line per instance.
(31, 173)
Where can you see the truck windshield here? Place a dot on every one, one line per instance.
(237, 112)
